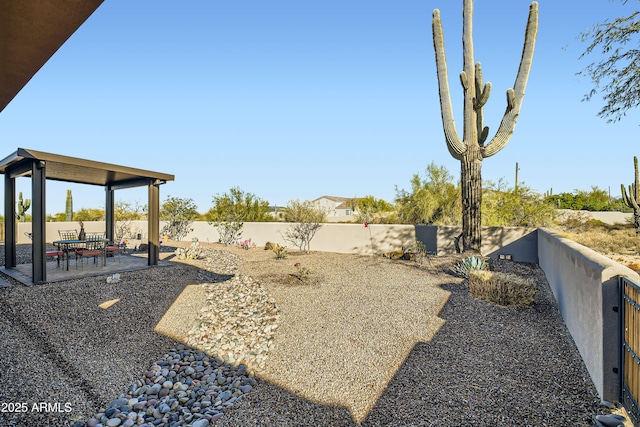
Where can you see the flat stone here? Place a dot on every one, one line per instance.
(245, 388)
(119, 402)
(611, 420)
(155, 389)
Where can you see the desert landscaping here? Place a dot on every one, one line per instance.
(312, 339)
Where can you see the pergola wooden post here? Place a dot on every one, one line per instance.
(153, 223)
(9, 220)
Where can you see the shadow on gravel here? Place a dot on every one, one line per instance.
(487, 365)
(58, 345)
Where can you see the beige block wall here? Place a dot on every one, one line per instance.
(520, 242)
(585, 285)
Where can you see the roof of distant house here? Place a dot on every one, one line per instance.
(343, 201)
(334, 198)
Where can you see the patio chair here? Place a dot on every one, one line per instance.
(113, 250)
(93, 235)
(57, 254)
(93, 248)
(110, 249)
(68, 234)
(69, 248)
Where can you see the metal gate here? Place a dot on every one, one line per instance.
(630, 354)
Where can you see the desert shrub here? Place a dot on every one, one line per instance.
(124, 214)
(372, 210)
(609, 241)
(515, 206)
(238, 206)
(302, 274)
(501, 288)
(434, 199)
(179, 214)
(231, 210)
(472, 263)
(572, 221)
(307, 221)
(228, 231)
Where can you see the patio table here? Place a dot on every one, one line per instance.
(65, 245)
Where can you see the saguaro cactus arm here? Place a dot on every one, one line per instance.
(629, 200)
(482, 96)
(455, 145)
(516, 94)
(632, 199)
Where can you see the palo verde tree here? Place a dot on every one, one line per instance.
(473, 148)
(231, 210)
(179, 214)
(371, 210)
(306, 219)
(617, 76)
(633, 199)
(432, 200)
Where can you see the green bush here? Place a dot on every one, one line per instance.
(501, 288)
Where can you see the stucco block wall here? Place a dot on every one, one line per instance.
(519, 242)
(585, 285)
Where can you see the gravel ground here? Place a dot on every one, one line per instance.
(360, 340)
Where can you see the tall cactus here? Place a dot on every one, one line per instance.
(68, 210)
(471, 149)
(23, 207)
(633, 199)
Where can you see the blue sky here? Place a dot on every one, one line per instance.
(295, 100)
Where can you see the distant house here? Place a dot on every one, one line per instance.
(336, 208)
(276, 212)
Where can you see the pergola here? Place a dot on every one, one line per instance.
(42, 166)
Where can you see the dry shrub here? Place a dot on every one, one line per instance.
(614, 241)
(501, 288)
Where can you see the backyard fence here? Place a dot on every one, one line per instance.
(630, 375)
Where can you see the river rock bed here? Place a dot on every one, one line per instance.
(194, 384)
(184, 388)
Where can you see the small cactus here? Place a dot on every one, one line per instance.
(194, 251)
(633, 199)
(23, 207)
(68, 209)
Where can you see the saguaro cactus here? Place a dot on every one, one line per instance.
(471, 149)
(23, 207)
(68, 210)
(632, 200)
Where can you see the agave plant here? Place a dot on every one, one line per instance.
(462, 268)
